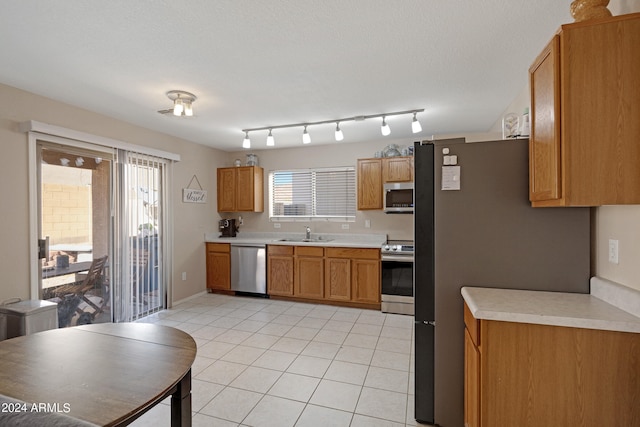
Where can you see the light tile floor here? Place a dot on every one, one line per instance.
(264, 362)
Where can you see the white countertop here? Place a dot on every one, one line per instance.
(328, 240)
(549, 308)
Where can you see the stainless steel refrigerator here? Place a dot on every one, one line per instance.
(474, 226)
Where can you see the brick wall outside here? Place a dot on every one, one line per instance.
(66, 213)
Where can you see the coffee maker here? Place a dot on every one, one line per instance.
(228, 227)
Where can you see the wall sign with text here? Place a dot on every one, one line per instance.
(192, 195)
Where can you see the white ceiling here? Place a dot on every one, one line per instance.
(267, 63)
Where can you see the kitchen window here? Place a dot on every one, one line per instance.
(313, 194)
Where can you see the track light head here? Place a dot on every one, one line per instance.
(270, 140)
(339, 134)
(385, 129)
(247, 142)
(415, 124)
(306, 138)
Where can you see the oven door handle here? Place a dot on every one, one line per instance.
(396, 258)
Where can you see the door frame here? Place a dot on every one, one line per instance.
(35, 201)
(43, 131)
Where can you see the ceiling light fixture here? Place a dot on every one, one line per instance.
(339, 134)
(385, 129)
(415, 124)
(182, 103)
(270, 140)
(306, 138)
(247, 142)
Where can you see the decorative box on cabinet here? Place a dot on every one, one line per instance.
(240, 189)
(585, 100)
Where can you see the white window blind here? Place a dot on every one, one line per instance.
(307, 194)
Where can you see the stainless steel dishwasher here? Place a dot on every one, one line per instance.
(248, 268)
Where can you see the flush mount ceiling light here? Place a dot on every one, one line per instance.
(306, 137)
(182, 103)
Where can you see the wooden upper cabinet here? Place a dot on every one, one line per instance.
(226, 190)
(397, 169)
(585, 100)
(373, 173)
(544, 145)
(369, 184)
(240, 189)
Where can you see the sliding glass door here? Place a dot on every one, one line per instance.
(101, 219)
(75, 228)
(140, 235)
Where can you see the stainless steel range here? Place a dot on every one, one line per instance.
(397, 277)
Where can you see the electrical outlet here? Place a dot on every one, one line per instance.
(184, 275)
(367, 223)
(345, 226)
(613, 251)
(276, 225)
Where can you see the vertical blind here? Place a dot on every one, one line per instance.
(321, 193)
(141, 204)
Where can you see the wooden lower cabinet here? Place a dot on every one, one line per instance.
(218, 266)
(353, 274)
(527, 375)
(345, 276)
(338, 279)
(308, 272)
(365, 280)
(280, 270)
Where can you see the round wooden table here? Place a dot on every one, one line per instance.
(107, 374)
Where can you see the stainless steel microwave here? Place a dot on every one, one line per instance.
(398, 197)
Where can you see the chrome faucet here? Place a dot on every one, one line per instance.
(308, 230)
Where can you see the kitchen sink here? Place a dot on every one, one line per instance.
(298, 239)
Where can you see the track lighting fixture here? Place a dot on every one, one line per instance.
(270, 140)
(339, 134)
(247, 142)
(182, 103)
(306, 138)
(415, 124)
(385, 129)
